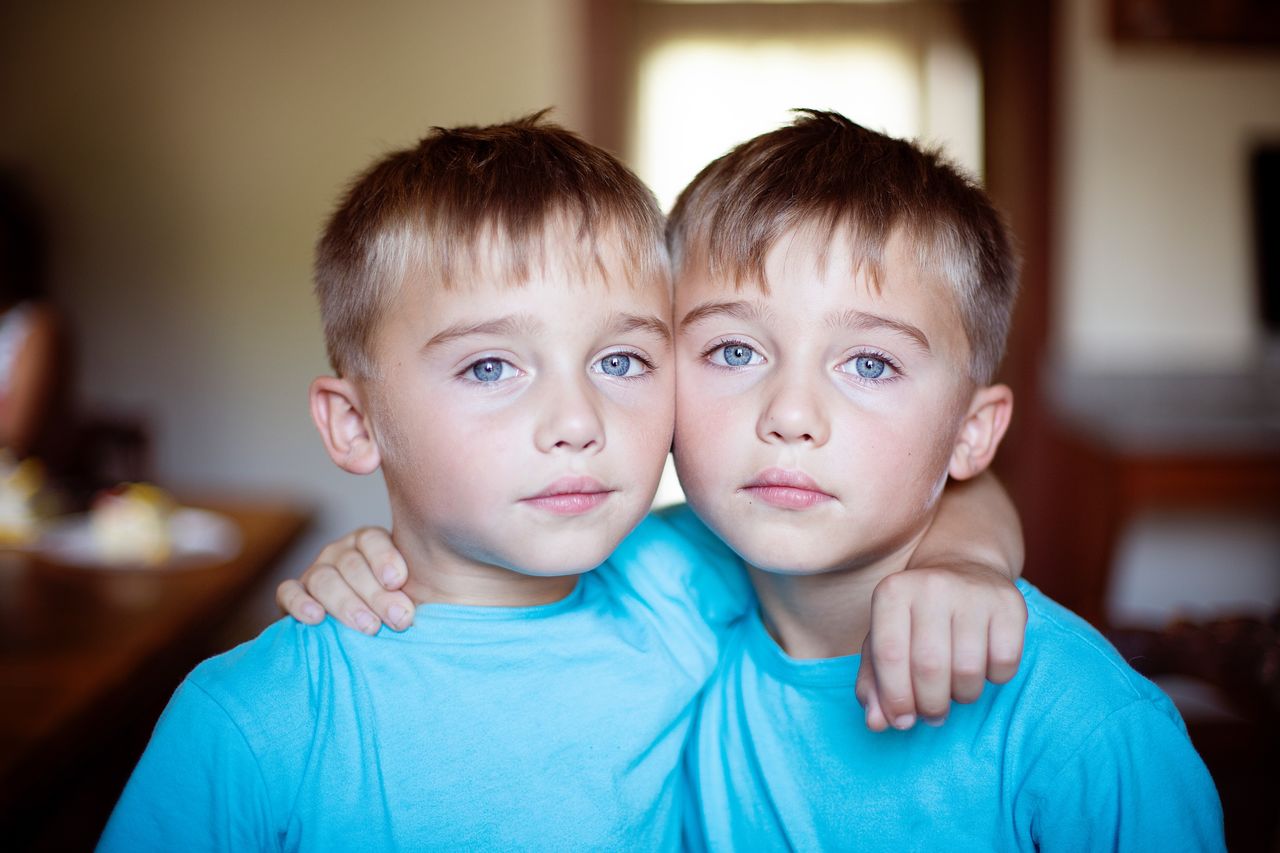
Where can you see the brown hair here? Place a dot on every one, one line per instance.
(824, 169)
(478, 200)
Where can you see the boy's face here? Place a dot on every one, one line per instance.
(523, 426)
(814, 423)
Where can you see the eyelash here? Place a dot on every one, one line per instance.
(879, 355)
(649, 366)
(729, 342)
(468, 376)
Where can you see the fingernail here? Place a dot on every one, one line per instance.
(397, 614)
(904, 722)
(364, 621)
(312, 611)
(389, 575)
(935, 721)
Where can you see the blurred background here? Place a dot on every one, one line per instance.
(180, 159)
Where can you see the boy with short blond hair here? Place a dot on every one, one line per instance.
(842, 303)
(496, 304)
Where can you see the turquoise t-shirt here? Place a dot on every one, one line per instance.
(1077, 752)
(557, 727)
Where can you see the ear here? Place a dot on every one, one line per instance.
(983, 427)
(339, 415)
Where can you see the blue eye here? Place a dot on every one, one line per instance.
(622, 365)
(489, 369)
(616, 364)
(869, 367)
(737, 355)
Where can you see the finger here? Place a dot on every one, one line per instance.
(358, 574)
(969, 631)
(890, 644)
(293, 599)
(931, 658)
(864, 685)
(382, 556)
(875, 717)
(327, 585)
(865, 690)
(1004, 644)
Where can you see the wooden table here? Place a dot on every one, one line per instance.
(1140, 443)
(85, 653)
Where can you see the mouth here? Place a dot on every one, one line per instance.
(570, 496)
(786, 489)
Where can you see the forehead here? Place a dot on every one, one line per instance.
(610, 253)
(559, 294)
(812, 274)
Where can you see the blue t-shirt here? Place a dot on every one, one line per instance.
(1077, 752)
(557, 727)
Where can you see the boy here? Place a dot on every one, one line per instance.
(497, 308)
(842, 304)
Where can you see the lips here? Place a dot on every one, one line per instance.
(786, 489)
(570, 496)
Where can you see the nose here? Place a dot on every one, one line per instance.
(571, 419)
(793, 414)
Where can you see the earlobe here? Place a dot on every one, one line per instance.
(984, 426)
(338, 412)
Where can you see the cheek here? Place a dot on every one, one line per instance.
(900, 455)
(706, 435)
(446, 453)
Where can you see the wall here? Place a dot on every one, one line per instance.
(1155, 274)
(1155, 264)
(188, 154)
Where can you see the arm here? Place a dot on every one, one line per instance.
(1135, 783)
(954, 619)
(357, 579)
(196, 787)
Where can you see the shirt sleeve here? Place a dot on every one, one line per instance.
(1136, 783)
(197, 786)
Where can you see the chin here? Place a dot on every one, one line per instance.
(774, 562)
(566, 559)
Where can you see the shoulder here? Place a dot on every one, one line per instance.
(1066, 651)
(673, 554)
(276, 679)
(1102, 750)
(681, 521)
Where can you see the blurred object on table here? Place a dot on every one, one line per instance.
(25, 501)
(130, 524)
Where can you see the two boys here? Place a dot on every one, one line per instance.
(842, 302)
(497, 307)
(517, 411)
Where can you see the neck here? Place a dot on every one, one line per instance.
(437, 577)
(829, 614)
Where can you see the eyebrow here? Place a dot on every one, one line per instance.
(499, 326)
(619, 324)
(857, 320)
(738, 308)
(862, 321)
(623, 323)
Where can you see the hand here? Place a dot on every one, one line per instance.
(936, 635)
(357, 579)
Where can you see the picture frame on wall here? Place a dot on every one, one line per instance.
(1227, 23)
